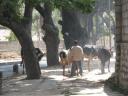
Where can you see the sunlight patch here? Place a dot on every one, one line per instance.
(92, 92)
(57, 77)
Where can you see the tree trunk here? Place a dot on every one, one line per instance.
(72, 29)
(90, 28)
(30, 58)
(52, 50)
(21, 27)
(51, 37)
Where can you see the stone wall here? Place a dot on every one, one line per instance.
(122, 42)
(15, 46)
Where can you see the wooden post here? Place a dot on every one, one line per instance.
(1, 82)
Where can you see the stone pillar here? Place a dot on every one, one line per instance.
(118, 39)
(123, 70)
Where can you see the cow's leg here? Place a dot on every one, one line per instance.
(68, 68)
(109, 65)
(102, 67)
(80, 67)
(89, 59)
(68, 64)
(23, 68)
(63, 70)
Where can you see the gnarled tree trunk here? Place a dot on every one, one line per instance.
(22, 29)
(72, 29)
(51, 37)
(30, 58)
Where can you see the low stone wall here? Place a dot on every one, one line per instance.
(9, 46)
(15, 46)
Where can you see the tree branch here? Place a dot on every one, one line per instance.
(8, 23)
(28, 11)
(3, 21)
(40, 9)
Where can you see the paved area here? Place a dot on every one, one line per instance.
(52, 83)
(6, 66)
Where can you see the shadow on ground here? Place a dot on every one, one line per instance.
(53, 83)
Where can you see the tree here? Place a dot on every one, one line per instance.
(98, 21)
(72, 28)
(87, 31)
(51, 32)
(11, 16)
(11, 37)
(51, 37)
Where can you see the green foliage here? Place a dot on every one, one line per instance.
(14, 9)
(11, 37)
(56, 15)
(83, 5)
(35, 22)
(35, 2)
(10, 8)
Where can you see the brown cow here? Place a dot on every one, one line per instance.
(65, 59)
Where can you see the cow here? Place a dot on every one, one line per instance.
(39, 55)
(103, 55)
(66, 60)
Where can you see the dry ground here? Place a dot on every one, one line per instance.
(52, 83)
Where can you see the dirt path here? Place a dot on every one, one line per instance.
(52, 83)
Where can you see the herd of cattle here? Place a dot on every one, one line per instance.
(101, 53)
(89, 52)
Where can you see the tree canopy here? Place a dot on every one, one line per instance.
(83, 5)
(13, 7)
